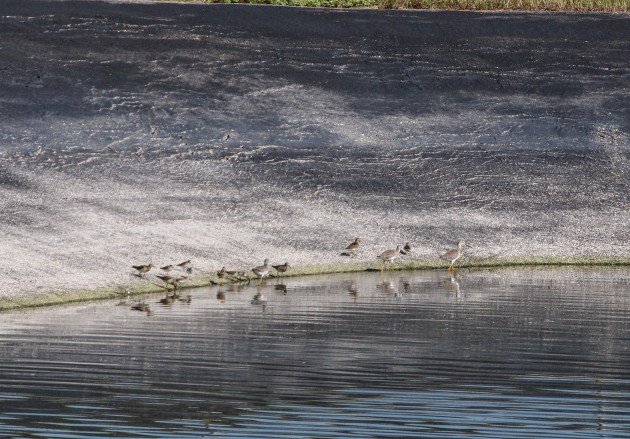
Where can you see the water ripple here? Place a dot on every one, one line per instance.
(527, 353)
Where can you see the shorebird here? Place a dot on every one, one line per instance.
(143, 269)
(282, 267)
(166, 268)
(389, 256)
(454, 254)
(221, 273)
(352, 247)
(238, 275)
(186, 266)
(406, 249)
(262, 270)
(171, 280)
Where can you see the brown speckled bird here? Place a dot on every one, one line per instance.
(351, 249)
(143, 269)
(221, 273)
(406, 249)
(282, 267)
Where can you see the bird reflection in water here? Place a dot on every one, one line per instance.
(142, 307)
(282, 288)
(390, 287)
(259, 298)
(387, 287)
(127, 294)
(235, 288)
(221, 296)
(406, 286)
(353, 290)
(168, 299)
(453, 285)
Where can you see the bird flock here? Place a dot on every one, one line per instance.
(173, 275)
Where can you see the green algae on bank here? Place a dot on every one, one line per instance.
(205, 280)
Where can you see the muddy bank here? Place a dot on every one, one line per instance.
(229, 133)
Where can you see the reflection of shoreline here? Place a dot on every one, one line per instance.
(140, 288)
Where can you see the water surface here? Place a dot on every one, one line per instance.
(506, 353)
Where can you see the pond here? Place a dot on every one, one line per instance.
(488, 353)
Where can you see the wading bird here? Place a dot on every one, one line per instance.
(262, 270)
(454, 254)
(388, 256)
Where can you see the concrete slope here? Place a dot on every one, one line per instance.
(229, 133)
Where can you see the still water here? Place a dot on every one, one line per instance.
(504, 353)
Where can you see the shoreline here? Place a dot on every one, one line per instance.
(208, 280)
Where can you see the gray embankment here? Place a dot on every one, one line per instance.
(229, 133)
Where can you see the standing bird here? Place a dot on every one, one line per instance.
(143, 269)
(221, 273)
(282, 268)
(171, 280)
(389, 256)
(186, 266)
(262, 270)
(352, 248)
(406, 249)
(454, 254)
(166, 268)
